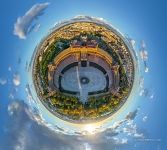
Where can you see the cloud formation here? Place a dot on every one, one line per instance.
(22, 130)
(146, 92)
(28, 92)
(23, 24)
(16, 79)
(133, 42)
(26, 131)
(145, 118)
(141, 82)
(144, 56)
(3, 81)
(131, 115)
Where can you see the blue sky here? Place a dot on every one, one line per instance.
(141, 20)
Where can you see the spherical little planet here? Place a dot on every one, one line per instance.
(83, 70)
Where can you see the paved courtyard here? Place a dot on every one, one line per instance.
(83, 80)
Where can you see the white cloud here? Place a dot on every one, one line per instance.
(131, 130)
(16, 79)
(144, 55)
(143, 44)
(87, 146)
(143, 92)
(132, 43)
(11, 96)
(24, 132)
(37, 27)
(131, 115)
(145, 118)
(120, 141)
(23, 23)
(138, 135)
(13, 107)
(146, 69)
(141, 82)
(28, 92)
(151, 96)
(117, 124)
(3, 81)
(148, 93)
(21, 141)
(10, 68)
(123, 128)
